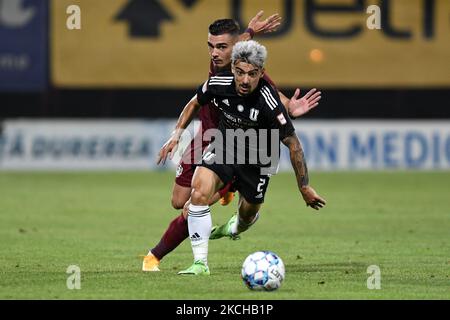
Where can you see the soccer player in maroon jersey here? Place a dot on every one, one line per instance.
(223, 34)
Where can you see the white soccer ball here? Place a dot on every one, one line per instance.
(263, 270)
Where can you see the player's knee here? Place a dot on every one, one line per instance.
(177, 203)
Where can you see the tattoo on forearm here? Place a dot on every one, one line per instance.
(304, 172)
(299, 163)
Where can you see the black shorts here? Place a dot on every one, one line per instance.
(249, 180)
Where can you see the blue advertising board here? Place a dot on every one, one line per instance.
(23, 45)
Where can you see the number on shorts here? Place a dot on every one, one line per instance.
(260, 185)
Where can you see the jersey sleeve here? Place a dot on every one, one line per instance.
(215, 86)
(204, 95)
(276, 113)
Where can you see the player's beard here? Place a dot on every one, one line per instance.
(244, 89)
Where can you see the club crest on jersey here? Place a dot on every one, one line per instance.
(254, 114)
(240, 107)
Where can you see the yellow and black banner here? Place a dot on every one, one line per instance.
(328, 43)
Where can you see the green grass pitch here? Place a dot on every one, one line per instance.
(102, 222)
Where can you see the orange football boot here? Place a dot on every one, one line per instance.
(227, 198)
(150, 263)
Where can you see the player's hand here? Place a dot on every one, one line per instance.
(168, 149)
(270, 24)
(298, 107)
(311, 198)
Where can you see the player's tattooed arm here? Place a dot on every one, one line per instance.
(270, 24)
(185, 118)
(298, 162)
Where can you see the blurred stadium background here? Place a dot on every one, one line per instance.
(106, 97)
(142, 60)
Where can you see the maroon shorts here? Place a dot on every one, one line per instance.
(184, 174)
(185, 169)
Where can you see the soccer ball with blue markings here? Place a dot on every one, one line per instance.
(263, 270)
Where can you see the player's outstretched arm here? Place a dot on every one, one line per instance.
(298, 162)
(185, 118)
(270, 24)
(299, 106)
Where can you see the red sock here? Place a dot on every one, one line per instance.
(172, 238)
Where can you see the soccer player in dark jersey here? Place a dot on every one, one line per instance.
(222, 36)
(251, 108)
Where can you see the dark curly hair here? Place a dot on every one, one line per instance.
(224, 26)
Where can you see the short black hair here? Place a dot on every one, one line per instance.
(224, 26)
